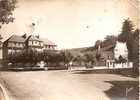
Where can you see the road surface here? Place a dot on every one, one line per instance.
(64, 85)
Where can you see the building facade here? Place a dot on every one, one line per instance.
(13, 45)
(121, 50)
(48, 45)
(18, 43)
(34, 43)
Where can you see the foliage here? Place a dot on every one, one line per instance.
(32, 57)
(6, 8)
(131, 37)
(78, 59)
(109, 40)
(98, 56)
(26, 56)
(97, 43)
(135, 49)
(68, 56)
(127, 30)
(88, 57)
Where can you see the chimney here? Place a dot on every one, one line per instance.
(24, 36)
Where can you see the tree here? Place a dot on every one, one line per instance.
(135, 49)
(89, 59)
(1, 37)
(6, 8)
(78, 59)
(126, 36)
(131, 37)
(98, 43)
(68, 57)
(127, 30)
(109, 40)
(98, 56)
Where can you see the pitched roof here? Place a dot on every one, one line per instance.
(34, 38)
(17, 38)
(47, 42)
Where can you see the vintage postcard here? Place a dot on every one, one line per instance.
(69, 49)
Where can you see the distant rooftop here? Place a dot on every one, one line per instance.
(32, 38)
(23, 38)
(47, 42)
(16, 38)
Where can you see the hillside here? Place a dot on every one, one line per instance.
(77, 51)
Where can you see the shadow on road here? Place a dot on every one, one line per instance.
(123, 90)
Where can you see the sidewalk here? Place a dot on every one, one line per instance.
(98, 67)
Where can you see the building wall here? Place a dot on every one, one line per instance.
(16, 44)
(121, 49)
(49, 47)
(36, 49)
(108, 55)
(13, 47)
(35, 43)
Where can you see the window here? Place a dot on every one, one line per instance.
(18, 44)
(15, 44)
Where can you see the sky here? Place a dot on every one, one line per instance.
(72, 23)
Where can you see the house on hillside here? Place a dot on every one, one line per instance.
(13, 44)
(114, 51)
(18, 43)
(120, 55)
(121, 50)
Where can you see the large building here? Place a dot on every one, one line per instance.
(18, 43)
(34, 43)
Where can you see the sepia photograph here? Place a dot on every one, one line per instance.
(69, 49)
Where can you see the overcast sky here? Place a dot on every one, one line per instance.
(72, 23)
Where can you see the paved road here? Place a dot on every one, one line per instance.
(60, 85)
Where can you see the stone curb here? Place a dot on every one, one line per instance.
(4, 93)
